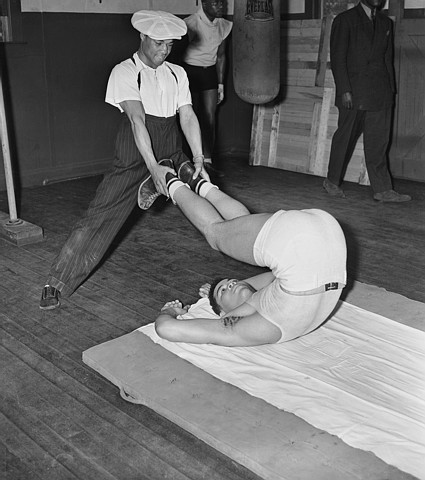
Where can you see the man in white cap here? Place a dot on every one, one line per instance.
(150, 91)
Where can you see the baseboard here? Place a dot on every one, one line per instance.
(60, 173)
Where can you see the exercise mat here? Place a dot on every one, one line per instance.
(278, 409)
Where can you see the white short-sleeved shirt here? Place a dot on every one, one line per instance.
(163, 90)
(204, 38)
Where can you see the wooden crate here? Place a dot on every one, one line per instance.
(294, 132)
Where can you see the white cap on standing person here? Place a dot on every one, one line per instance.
(159, 25)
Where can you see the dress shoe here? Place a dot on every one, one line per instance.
(391, 196)
(333, 189)
(50, 298)
(147, 193)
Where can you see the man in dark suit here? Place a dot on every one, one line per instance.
(361, 48)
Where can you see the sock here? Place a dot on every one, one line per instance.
(203, 187)
(173, 183)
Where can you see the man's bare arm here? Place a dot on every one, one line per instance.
(220, 67)
(233, 330)
(190, 126)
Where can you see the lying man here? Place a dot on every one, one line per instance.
(305, 251)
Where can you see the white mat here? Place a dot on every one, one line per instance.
(360, 376)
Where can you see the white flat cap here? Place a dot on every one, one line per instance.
(159, 25)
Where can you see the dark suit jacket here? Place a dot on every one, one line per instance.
(362, 59)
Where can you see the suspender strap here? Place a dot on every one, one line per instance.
(174, 75)
(139, 82)
(321, 289)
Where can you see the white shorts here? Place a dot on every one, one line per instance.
(305, 250)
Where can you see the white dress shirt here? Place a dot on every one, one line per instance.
(163, 90)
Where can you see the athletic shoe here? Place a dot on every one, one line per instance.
(147, 193)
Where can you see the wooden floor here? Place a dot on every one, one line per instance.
(61, 420)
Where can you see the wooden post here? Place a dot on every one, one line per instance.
(256, 135)
(322, 61)
(6, 157)
(274, 135)
(11, 227)
(320, 166)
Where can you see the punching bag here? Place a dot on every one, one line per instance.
(256, 50)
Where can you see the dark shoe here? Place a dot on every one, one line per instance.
(333, 189)
(213, 172)
(50, 298)
(185, 173)
(391, 196)
(147, 191)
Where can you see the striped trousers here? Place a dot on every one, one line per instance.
(115, 198)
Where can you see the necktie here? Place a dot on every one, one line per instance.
(373, 16)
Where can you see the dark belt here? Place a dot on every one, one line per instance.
(323, 288)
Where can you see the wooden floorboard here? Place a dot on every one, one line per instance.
(61, 420)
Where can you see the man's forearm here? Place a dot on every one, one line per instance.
(192, 132)
(144, 145)
(220, 67)
(136, 114)
(221, 62)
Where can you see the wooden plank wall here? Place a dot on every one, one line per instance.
(294, 132)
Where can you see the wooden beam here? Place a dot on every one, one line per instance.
(323, 55)
(320, 164)
(274, 135)
(256, 135)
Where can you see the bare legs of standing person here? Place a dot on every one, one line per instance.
(205, 106)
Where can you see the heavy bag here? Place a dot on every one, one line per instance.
(256, 50)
